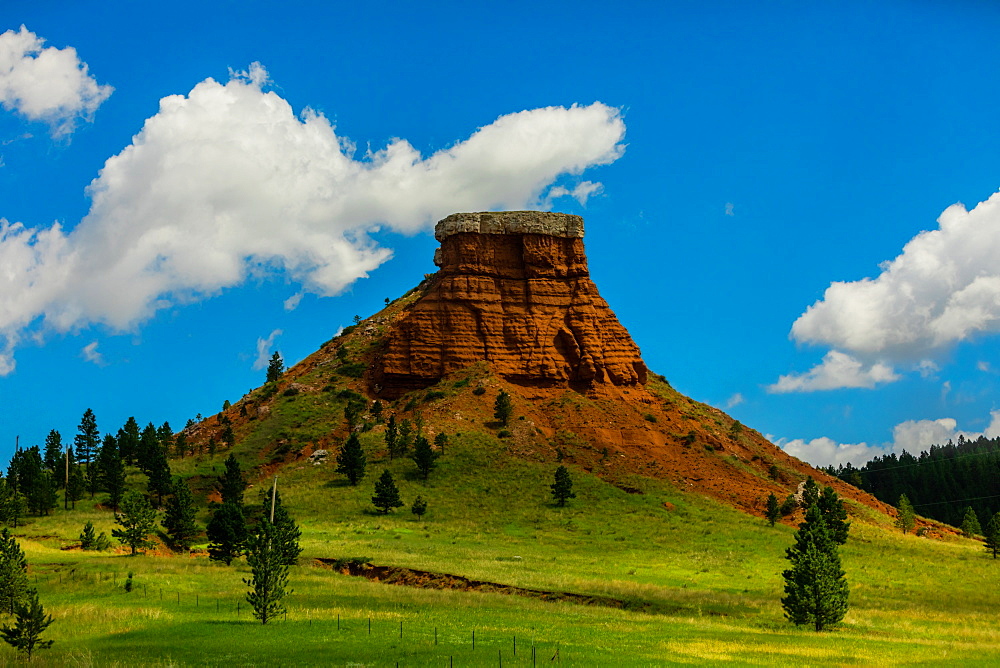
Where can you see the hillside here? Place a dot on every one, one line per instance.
(513, 309)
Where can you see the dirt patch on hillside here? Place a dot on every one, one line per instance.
(409, 577)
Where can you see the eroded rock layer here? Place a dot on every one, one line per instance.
(520, 300)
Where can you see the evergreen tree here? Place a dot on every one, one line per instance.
(441, 440)
(180, 444)
(77, 485)
(377, 411)
(810, 493)
(180, 515)
(286, 531)
(128, 441)
(87, 439)
(992, 535)
(423, 456)
(562, 488)
(166, 435)
(159, 475)
(391, 435)
(88, 537)
(351, 460)
(268, 573)
(834, 514)
(7, 494)
(353, 411)
(227, 533)
(275, 368)
(229, 436)
(29, 623)
(405, 437)
(13, 572)
(232, 484)
(773, 511)
(906, 518)
(42, 497)
(419, 506)
(503, 408)
(137, 520)
(386, 493)
(53, 456)
(93, 477)
(149, 444)
(970, 524)
(815, 587)
(112, 470)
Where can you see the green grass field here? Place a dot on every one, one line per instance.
(701, 581)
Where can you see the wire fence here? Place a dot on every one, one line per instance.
(470, 646)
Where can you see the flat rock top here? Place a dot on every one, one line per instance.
(511, 222)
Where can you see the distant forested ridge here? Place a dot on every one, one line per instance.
(941, 483)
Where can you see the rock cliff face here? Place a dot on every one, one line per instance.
(513, 290)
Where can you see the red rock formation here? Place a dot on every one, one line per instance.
(514, 291)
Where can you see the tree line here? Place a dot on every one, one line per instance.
(941, 483)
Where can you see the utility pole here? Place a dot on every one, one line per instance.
(274, 493)
(66, 488)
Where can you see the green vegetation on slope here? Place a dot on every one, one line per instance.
(701, 582)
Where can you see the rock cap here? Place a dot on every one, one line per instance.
(511, 222)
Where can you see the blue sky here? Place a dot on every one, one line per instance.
(183, 189)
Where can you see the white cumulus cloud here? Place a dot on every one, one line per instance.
(47, 84)
(943, 288)
(913, 436)
(228, 181)
(837, 370)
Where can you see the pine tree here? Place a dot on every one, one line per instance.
(180, 444)
(906, 518)
(441, 440)
(149, 443)
(166, 435)
(137, 520)
(88, 537)
(419, 506)
(43, 497)
(405, 436)
(992, 535)
(227, 533)
(562, 488)
(810, 493)
(159, 475)
(229, 436)
(268, 573)
(77, 484)
(275, 368)
(232, 484)
(29, 623)
(834, 514)
(87, 438)
(391, 435)
(773, 511)
(503, 408)
(112, 470)
(815, 587)
(386, 493)
(128, 441)
(424, 457)
(13, 572)
(970, 524)
(53, 451)
(351, 460)
(377, 411)
(180, 515)
(286, 531)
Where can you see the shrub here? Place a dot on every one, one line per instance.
(461, 383)
(434, 395)
(503, 433)
(290, 392)
(347, 330)
(649, 417)
(352, 370)
(479, 391)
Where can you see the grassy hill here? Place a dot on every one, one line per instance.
(699, 581)
(662, 539)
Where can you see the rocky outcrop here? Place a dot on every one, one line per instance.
(513, 290)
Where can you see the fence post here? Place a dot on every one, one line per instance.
(473, 639)
(400, 629)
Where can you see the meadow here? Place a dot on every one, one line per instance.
(699, 582)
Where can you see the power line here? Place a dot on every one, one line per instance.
(972, 498)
